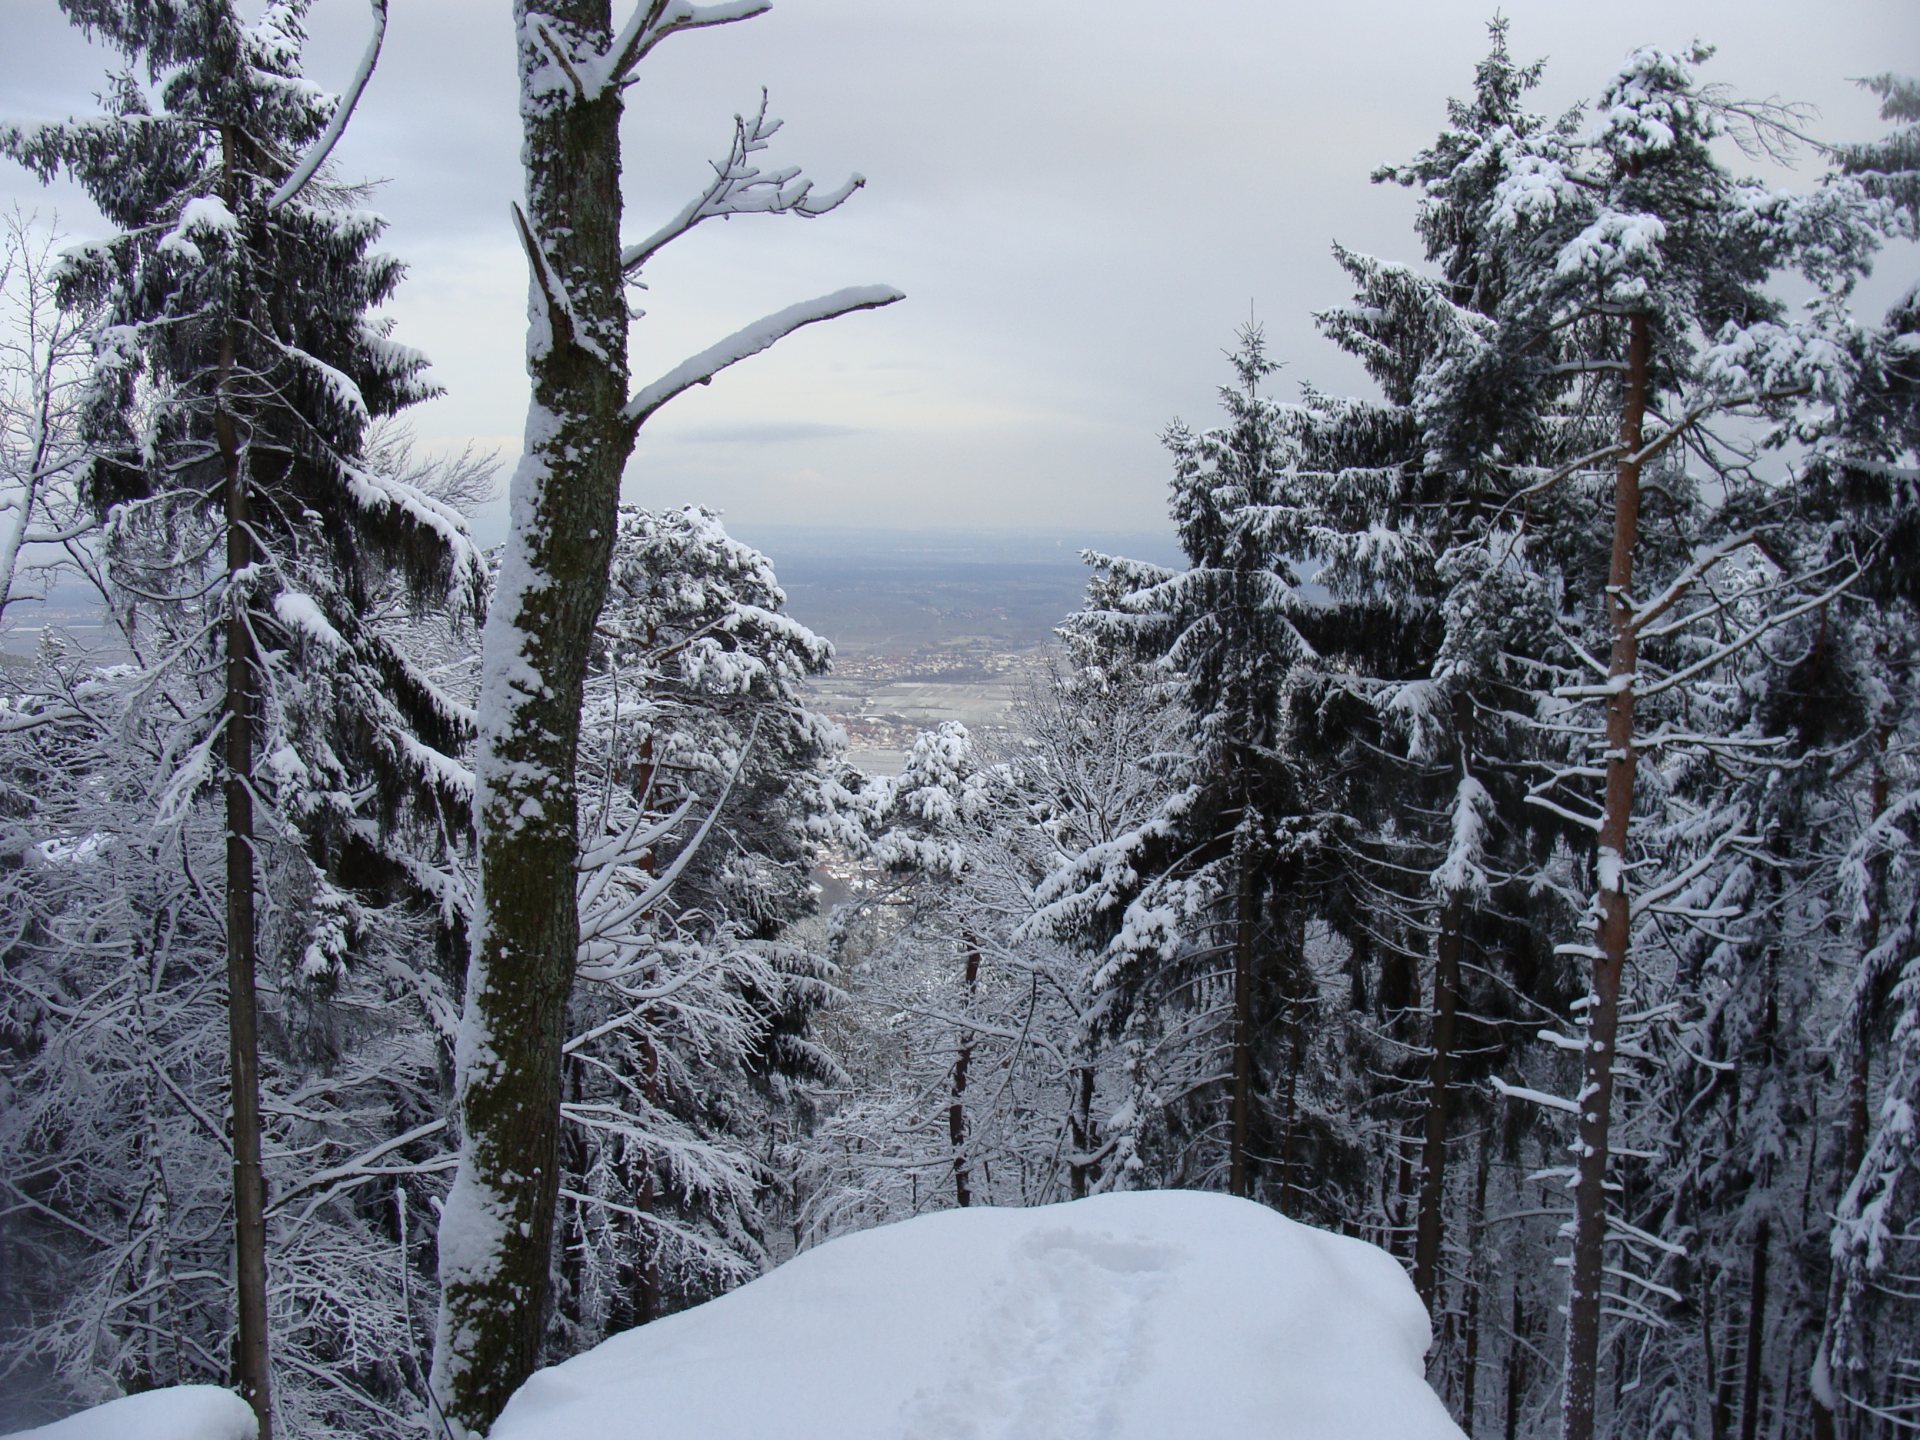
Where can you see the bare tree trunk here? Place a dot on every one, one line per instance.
(647, 1298)
(1083, 1131)
(957, 1111)
(1433, 1148)
(1516, 1365)
(1239, 1173)
(1719, 1405)
(1403, 1184)
(1613, 930)
(1290, 1112)
(252, 1376)
(1756, 1334)
(1470, 1365)
(496, 1233)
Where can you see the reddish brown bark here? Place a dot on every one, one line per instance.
(1612, 931)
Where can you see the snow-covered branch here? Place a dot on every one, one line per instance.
(359, 1166)
(563, 326)
(1533, 1097)
(741, 188)
(1689, 577)
(652, 22)
(316, 156)
(761, 335)
(1750, 635)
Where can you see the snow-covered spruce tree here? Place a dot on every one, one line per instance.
(496, 1237)
(236, 370)
(1437, 604)
(1637, 268)
(706, 782)
(1870, 469)
(1203, 908)
(1864, 1366)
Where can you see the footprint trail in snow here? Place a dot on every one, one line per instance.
(1062, 1331)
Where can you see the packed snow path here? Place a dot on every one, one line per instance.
(1051, 1354)
(1158, 1316)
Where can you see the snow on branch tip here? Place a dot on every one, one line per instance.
(761, 335)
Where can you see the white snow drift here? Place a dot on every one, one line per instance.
(1163, 1315)
(180, 1412)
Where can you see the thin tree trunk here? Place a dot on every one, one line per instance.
(1612, 931)
(1402, 1187)
(1719, 1406)
(1756, 1334)
(1083, 1132)
(1430, 1220)
(1239, 1173)
(496, 1232)
(1516, 1365)
(957, 1111)
(570, 1262)
(252, 1377)
(1290, 1113)
(1470, 1365)
(646, 1291)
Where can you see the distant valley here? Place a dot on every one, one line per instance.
(930, 627)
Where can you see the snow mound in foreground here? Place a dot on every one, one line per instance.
(181, 1412)
(1171, 1314)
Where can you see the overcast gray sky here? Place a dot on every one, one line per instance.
(1081, 199)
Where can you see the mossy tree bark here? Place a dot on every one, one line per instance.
(496, 1236)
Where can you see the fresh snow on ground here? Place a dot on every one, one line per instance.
(1170, 1315)
(183, 1412)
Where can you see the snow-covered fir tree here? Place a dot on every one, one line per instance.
(237, 367)
(709, 786)
(1866, 1365)
(1203, 908)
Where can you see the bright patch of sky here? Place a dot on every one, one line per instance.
(1081, 201)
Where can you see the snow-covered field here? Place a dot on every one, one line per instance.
(1171, 1315)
